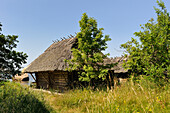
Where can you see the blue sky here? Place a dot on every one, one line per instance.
(38, 22)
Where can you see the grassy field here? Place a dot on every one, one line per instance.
(143, 97)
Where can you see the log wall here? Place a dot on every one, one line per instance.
(56, 80)
(62, 80)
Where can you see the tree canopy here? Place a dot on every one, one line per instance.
(88, 56)
(151, 55)
(10, 59)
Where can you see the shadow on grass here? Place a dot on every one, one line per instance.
(16, 99)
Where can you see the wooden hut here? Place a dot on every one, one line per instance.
(119, 71)
(49, 67)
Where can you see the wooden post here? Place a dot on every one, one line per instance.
(47, 80)
(108, 86)
(114, 79)
(37, 77)
(111, 77)
(50, 77)
(110, 80)
(33, 77)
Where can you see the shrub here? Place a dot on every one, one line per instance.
(150, 55)
(17, 99)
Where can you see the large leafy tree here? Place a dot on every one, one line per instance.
(151, 55)
(88, 56)
(10, 60)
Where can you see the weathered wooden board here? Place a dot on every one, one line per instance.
(55, 80)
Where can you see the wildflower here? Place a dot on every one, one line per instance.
(117, 108)
(150, 110)
(157, 99)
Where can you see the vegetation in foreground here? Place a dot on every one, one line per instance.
(129, 97)
(142, 97)
(17, 99)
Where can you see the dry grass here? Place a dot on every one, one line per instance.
(143, 97)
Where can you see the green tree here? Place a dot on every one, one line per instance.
(88, 56)
(10, 60)
(151, 55)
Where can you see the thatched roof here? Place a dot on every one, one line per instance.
(53, 58)
(119, 67)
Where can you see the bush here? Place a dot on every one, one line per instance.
(150, 53)
(17, 99)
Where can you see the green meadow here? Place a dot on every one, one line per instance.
(130, 97)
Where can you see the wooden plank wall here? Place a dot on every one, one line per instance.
(60, 80)
(42, 80)
(73, 81)
(54, 80)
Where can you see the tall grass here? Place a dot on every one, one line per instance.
(142, 97)
(17, 99)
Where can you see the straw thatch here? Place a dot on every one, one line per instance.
(53, 58)
(119, 67)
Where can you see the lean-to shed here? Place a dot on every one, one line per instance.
(49, 67)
